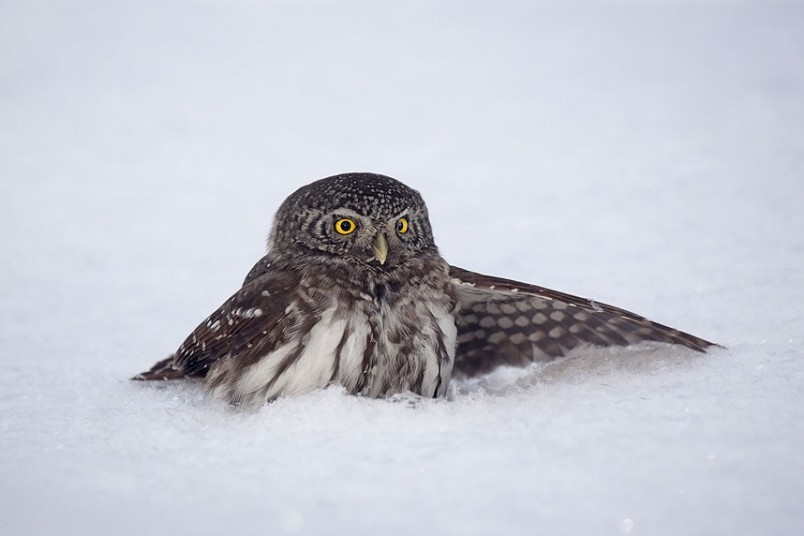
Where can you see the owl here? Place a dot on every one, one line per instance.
(353, 292)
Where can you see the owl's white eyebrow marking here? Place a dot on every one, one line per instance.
(345, 212)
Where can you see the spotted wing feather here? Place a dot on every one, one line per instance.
(247, 326)
(505, 322)
(263, 266)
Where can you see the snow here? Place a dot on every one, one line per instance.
(644, 154)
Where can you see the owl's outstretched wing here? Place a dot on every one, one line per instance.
(248, 325)
(505, 322)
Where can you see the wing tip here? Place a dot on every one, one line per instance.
(162, 371)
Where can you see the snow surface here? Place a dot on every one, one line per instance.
(645, 154)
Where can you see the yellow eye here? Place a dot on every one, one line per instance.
(345, 226)
(402, 225)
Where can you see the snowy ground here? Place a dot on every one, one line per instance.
(647, 154)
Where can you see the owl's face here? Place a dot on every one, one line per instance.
(358, 218)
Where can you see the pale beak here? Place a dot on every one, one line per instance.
(380, 247)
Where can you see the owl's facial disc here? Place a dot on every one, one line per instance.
(365, 239)
(362, 219)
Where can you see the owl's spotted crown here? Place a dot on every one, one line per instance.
(369, 194)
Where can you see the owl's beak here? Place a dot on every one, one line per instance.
(380, 247)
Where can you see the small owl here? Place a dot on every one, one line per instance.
(353, 292)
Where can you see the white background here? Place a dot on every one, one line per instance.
(645, 154)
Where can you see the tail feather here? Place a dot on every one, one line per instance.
(163, 370)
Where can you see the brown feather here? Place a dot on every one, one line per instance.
(506, 322)
(323, 308)
(248, 325)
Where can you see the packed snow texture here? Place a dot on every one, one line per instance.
(645, 154)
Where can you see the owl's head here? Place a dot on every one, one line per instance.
(359, 218)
